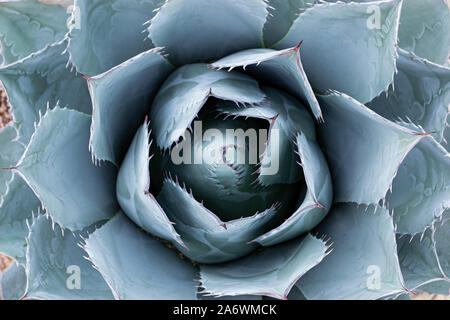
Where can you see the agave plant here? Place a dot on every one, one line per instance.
(352, 98)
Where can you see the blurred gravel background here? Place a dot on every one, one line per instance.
(5, 114)
(5, 117)
(4, 262)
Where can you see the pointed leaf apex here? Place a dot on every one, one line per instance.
(297, 48)
(424, 134)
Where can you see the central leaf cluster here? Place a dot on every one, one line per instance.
(219, 158)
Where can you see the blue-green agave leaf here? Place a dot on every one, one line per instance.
(364, 150)
(423, 29)
(12, 149)
(224, 298)
(282, 14)
(120, 99)
(446, 139)
(62, 3)
(425, 259)
(40, 80)
(12, 282)
(58, 167)
(205, 30)
(56, 267)
(363, 263)
(418, 259)
(271, 272)
(208, 239)
(28, 26)
(398, 296)
(294, 294)
(105, 33)
(185, 92)
(420, 94)
(424, 26)
(16, 207)
(362, 62)
(282, 69)
(133, 194)
(317, 201)
(136, 266)
(421, 188)
(441, 236)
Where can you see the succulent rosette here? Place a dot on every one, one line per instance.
(118, 184)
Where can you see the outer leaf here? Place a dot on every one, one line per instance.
(441, 236)
(446, 140)
(282, 69)
(55, 261)
(425, 259)
(282, 14)
(41, 80)
(317, 201)
(12, 149)
(28, 26)
(62, 3)
(57, 166)
(120, 98)
(364, 251)
(421, 189)
(424, 26)
(423, 29)
(16, 207)
(362, 63)
(133, 193)
(13, 282)
(185, 92)
(137, 266)
(398, 296)
(224, 298)
(421, 95)
(296, 294)
(418, 259)
(271, 272)
(207, 238)
(207, 29)
(106, 33)
(364, 150)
